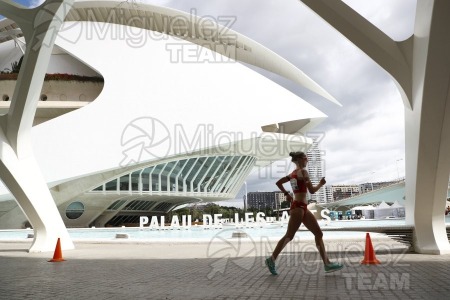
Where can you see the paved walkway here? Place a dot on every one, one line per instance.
(220, 270)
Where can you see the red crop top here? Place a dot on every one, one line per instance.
(298, 184)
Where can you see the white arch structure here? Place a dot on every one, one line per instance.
(19, 169)
(420, 66)
(167, 95)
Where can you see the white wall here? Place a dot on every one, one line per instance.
(228, 99)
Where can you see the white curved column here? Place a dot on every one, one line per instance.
(428, 128)
(19, 170)
(421, 68)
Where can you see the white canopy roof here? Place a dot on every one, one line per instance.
(383, 205)
(365, 207)
(396, 205)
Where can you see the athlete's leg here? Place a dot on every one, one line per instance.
(311, 223)
(294, 223)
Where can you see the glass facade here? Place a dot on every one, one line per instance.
(204, 175)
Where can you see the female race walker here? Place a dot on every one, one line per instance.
(299, 212)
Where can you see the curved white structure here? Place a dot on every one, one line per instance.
(421, 69)
(19, 169)
(177, 120)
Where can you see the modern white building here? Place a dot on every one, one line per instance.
(158, 117)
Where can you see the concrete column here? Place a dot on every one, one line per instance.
(18, 167)
(421, 68)
(428, 128)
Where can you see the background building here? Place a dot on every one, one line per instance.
(328, 193)
(344, 191)
(316, 169)
(372, 186)
(262, 200)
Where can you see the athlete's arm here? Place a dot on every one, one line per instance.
(280, 183)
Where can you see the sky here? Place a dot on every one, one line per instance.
(362, 141)
(29, 3)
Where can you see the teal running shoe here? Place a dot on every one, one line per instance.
(332, 267)
(271, 265)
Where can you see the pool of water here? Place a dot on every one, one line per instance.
(198, 233)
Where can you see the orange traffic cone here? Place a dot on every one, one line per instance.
(57, 256)
(369, 253)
